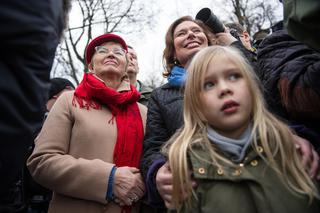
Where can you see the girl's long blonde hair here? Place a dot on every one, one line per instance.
(273, 135)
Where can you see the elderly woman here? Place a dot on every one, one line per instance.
(89, 148)
(184, 38)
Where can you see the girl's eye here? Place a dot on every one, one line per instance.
(234, 76)
(208, 85)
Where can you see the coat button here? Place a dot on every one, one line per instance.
(236, 172)
(201, 171)
(254, 163)
(220, 171)
(259, 149)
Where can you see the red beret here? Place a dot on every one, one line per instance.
(100, 40)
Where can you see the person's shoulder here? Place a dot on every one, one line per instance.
(65, 98)
(162, 90)
(67, 95)
(165, 87)
(275, 38)
(144, 88)
(143, 109)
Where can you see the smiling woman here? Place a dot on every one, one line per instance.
(109, 63)
(186, 48)
(89, 149)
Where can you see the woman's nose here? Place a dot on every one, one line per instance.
(110, 54)
(191, 34)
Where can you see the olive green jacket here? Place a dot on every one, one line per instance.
(251, 187)
(301, 19)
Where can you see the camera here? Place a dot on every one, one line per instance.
(208, 18)
(215, 25)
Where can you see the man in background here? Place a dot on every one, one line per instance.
(238, 31)
(133, 70)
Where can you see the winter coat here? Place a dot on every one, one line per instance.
(164, 118)
(250, 187)
(73, 156)
(301, 19)
(290, 74)
(145, 93)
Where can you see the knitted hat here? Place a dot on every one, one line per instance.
(57, 85)
(100, 40)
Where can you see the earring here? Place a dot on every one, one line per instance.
(175, 61)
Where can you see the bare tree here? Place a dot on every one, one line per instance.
(95, 17)
(153, 81)
(254, 15)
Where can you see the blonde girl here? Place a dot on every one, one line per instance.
(242, 158)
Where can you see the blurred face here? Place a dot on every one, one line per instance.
(226, 99)
(133, 67)
(189, 38)
(245, 40)
(108, 60)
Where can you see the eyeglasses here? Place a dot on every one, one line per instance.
(104, 51)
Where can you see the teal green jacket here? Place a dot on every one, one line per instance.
(145, 93)
(251, 187)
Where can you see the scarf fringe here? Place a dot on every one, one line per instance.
(85, 103)
(112, 119)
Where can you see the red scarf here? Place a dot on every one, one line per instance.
(92, 92)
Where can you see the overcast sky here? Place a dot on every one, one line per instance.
(149, 43)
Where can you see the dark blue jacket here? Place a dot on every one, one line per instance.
(29, 35)
(290, 74)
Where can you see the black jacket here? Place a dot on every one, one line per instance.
(164, 117)
(290, 73)
(29, 35)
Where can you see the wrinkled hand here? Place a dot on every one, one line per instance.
(128, 186)
(165, 186)
(310, 158)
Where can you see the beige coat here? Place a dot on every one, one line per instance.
(73, 156)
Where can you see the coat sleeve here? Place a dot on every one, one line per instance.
(29, 37)
(152, 159)
(298, 73)
(299, 83)
(52, 166)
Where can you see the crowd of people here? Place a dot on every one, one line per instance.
(235, 129)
